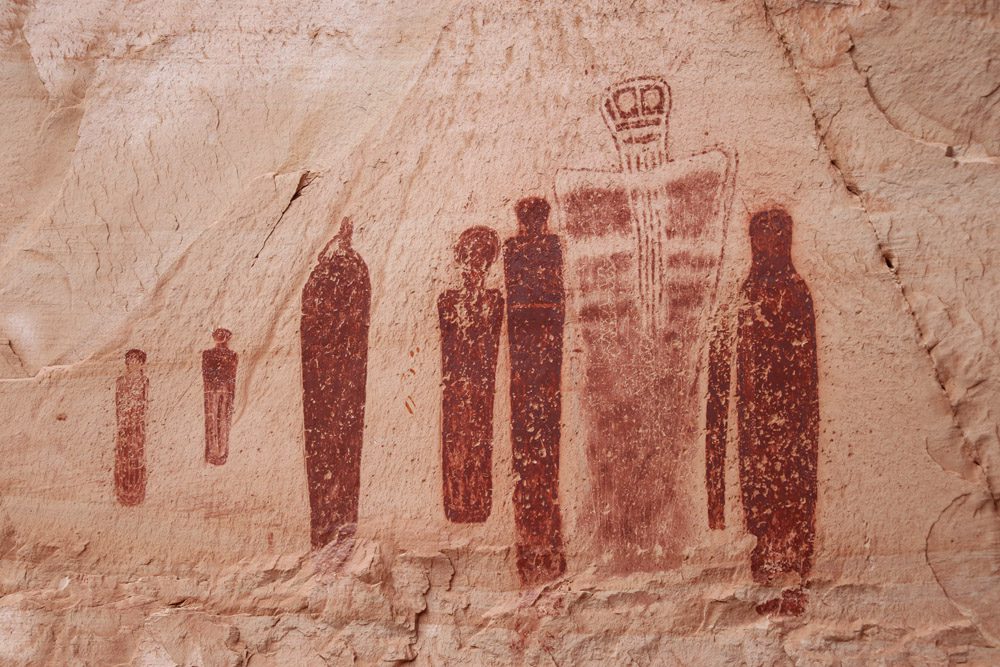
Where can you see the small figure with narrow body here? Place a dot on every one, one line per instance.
(131, 402)
(218, 370)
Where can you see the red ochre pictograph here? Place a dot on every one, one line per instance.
(643, 249)
(336, 304)
(470, 318)
(536, 312)
(131, 407)
(218, 371)
(775, 383)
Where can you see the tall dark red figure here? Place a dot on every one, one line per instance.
(218, 371)
(470, 319)
(777, 407)
(336, 304)
(536, 312)
(131, 403)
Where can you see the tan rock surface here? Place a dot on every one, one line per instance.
(169, 168)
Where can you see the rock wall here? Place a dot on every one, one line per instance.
(500, 333)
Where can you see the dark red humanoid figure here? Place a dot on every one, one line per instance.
(777, 407)
(218, 371)
(470, 319)
(536, 311)
(336, 304)
(131, 402)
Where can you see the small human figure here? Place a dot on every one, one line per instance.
(536, 311)
(131, 401)
(336, 306)
(470, 318)
(218, 370)
(777, 407)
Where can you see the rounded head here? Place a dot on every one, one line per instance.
(532, 215)
(771, 234)
(135, 357)
(222, 335)
(477, 249)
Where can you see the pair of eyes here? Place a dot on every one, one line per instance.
(632, 101)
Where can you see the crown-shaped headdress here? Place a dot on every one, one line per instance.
(636, 112)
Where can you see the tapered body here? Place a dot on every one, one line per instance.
(336, 303)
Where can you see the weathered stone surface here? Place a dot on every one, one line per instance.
(167, 169)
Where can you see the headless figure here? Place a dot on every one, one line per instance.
(336, 304)
(218, 370)
(470, 318)
(533, 267)
(131, 401)
(777, 407)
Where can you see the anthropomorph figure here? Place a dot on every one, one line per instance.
(643, 246)
(336, 304)
(218, 370)
(470, 318)
(536, 311)
(637, 112)
(131, 401)
(777, 408)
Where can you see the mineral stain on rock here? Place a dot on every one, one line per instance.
(336, 305)
(470, 318)
(777, 405)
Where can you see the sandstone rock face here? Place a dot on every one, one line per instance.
(500, 333)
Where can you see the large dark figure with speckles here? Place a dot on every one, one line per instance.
(536, 312)
(336, 304)
(470, 318)
(777, 407)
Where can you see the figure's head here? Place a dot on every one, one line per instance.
(341, 240)
(475, 252)
(345, 232)
(771, 236)
(532, 215)
(134, 359)
(637, 111)
(222, 336)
